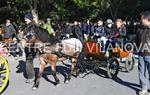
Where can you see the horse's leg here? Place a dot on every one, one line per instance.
(52, 59)
(53, 68)
(41, 70)
(74, 62)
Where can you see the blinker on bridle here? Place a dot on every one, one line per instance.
(28, 35)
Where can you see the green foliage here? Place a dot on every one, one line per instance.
(70, 10)
(81, 3)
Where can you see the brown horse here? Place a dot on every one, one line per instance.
(69, 48)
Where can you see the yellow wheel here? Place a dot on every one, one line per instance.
(4, 73)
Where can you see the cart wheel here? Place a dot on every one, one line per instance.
(112, 67)
(129, 64)
(80, 72)
(4, 73)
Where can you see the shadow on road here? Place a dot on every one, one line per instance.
(63, 70)
(60, 70)
(133, 86)
(122, 68)
(101, 72)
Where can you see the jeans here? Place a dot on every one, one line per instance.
(30, 55)
(103, 40)
(144, 63)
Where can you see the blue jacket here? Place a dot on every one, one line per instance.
(100, 31)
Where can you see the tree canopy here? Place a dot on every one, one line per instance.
(69, 10)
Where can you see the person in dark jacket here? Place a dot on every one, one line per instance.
(100, 35)
(29, 51)
(109, 28)
(120, 32)
(66, 29)
(88, 30)
(9, 30)
(143, 44)
(77, 32)
(99, 30)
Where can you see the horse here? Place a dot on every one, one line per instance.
(52, 52)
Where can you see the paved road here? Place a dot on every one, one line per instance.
(124, 84)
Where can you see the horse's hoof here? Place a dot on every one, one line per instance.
(67, 81)
(56, 83)
(35, 86)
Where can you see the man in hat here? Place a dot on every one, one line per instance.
(30, 52)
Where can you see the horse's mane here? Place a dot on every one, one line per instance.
(44, 36)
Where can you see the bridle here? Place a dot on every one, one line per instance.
(28, 36)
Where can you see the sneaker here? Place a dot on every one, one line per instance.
(29, 80)
(143, 92)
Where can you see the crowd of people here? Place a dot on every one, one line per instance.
(87, 31)
(101, 32)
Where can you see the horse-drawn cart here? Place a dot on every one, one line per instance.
(4, 68)
(92, 59)
(126, 55)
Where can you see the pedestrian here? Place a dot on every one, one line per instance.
(87, 30)
(66, 30)
(9, 30)
(99, 30)
(100, 35)
(30, 51)
(109, 28)
(142, 42)
(77, 32)
(48, 26)
(120, 32)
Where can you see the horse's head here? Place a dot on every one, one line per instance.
(28, 38)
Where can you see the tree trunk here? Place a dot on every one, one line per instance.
(114, 9)
(35, 16)
(35, 12)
